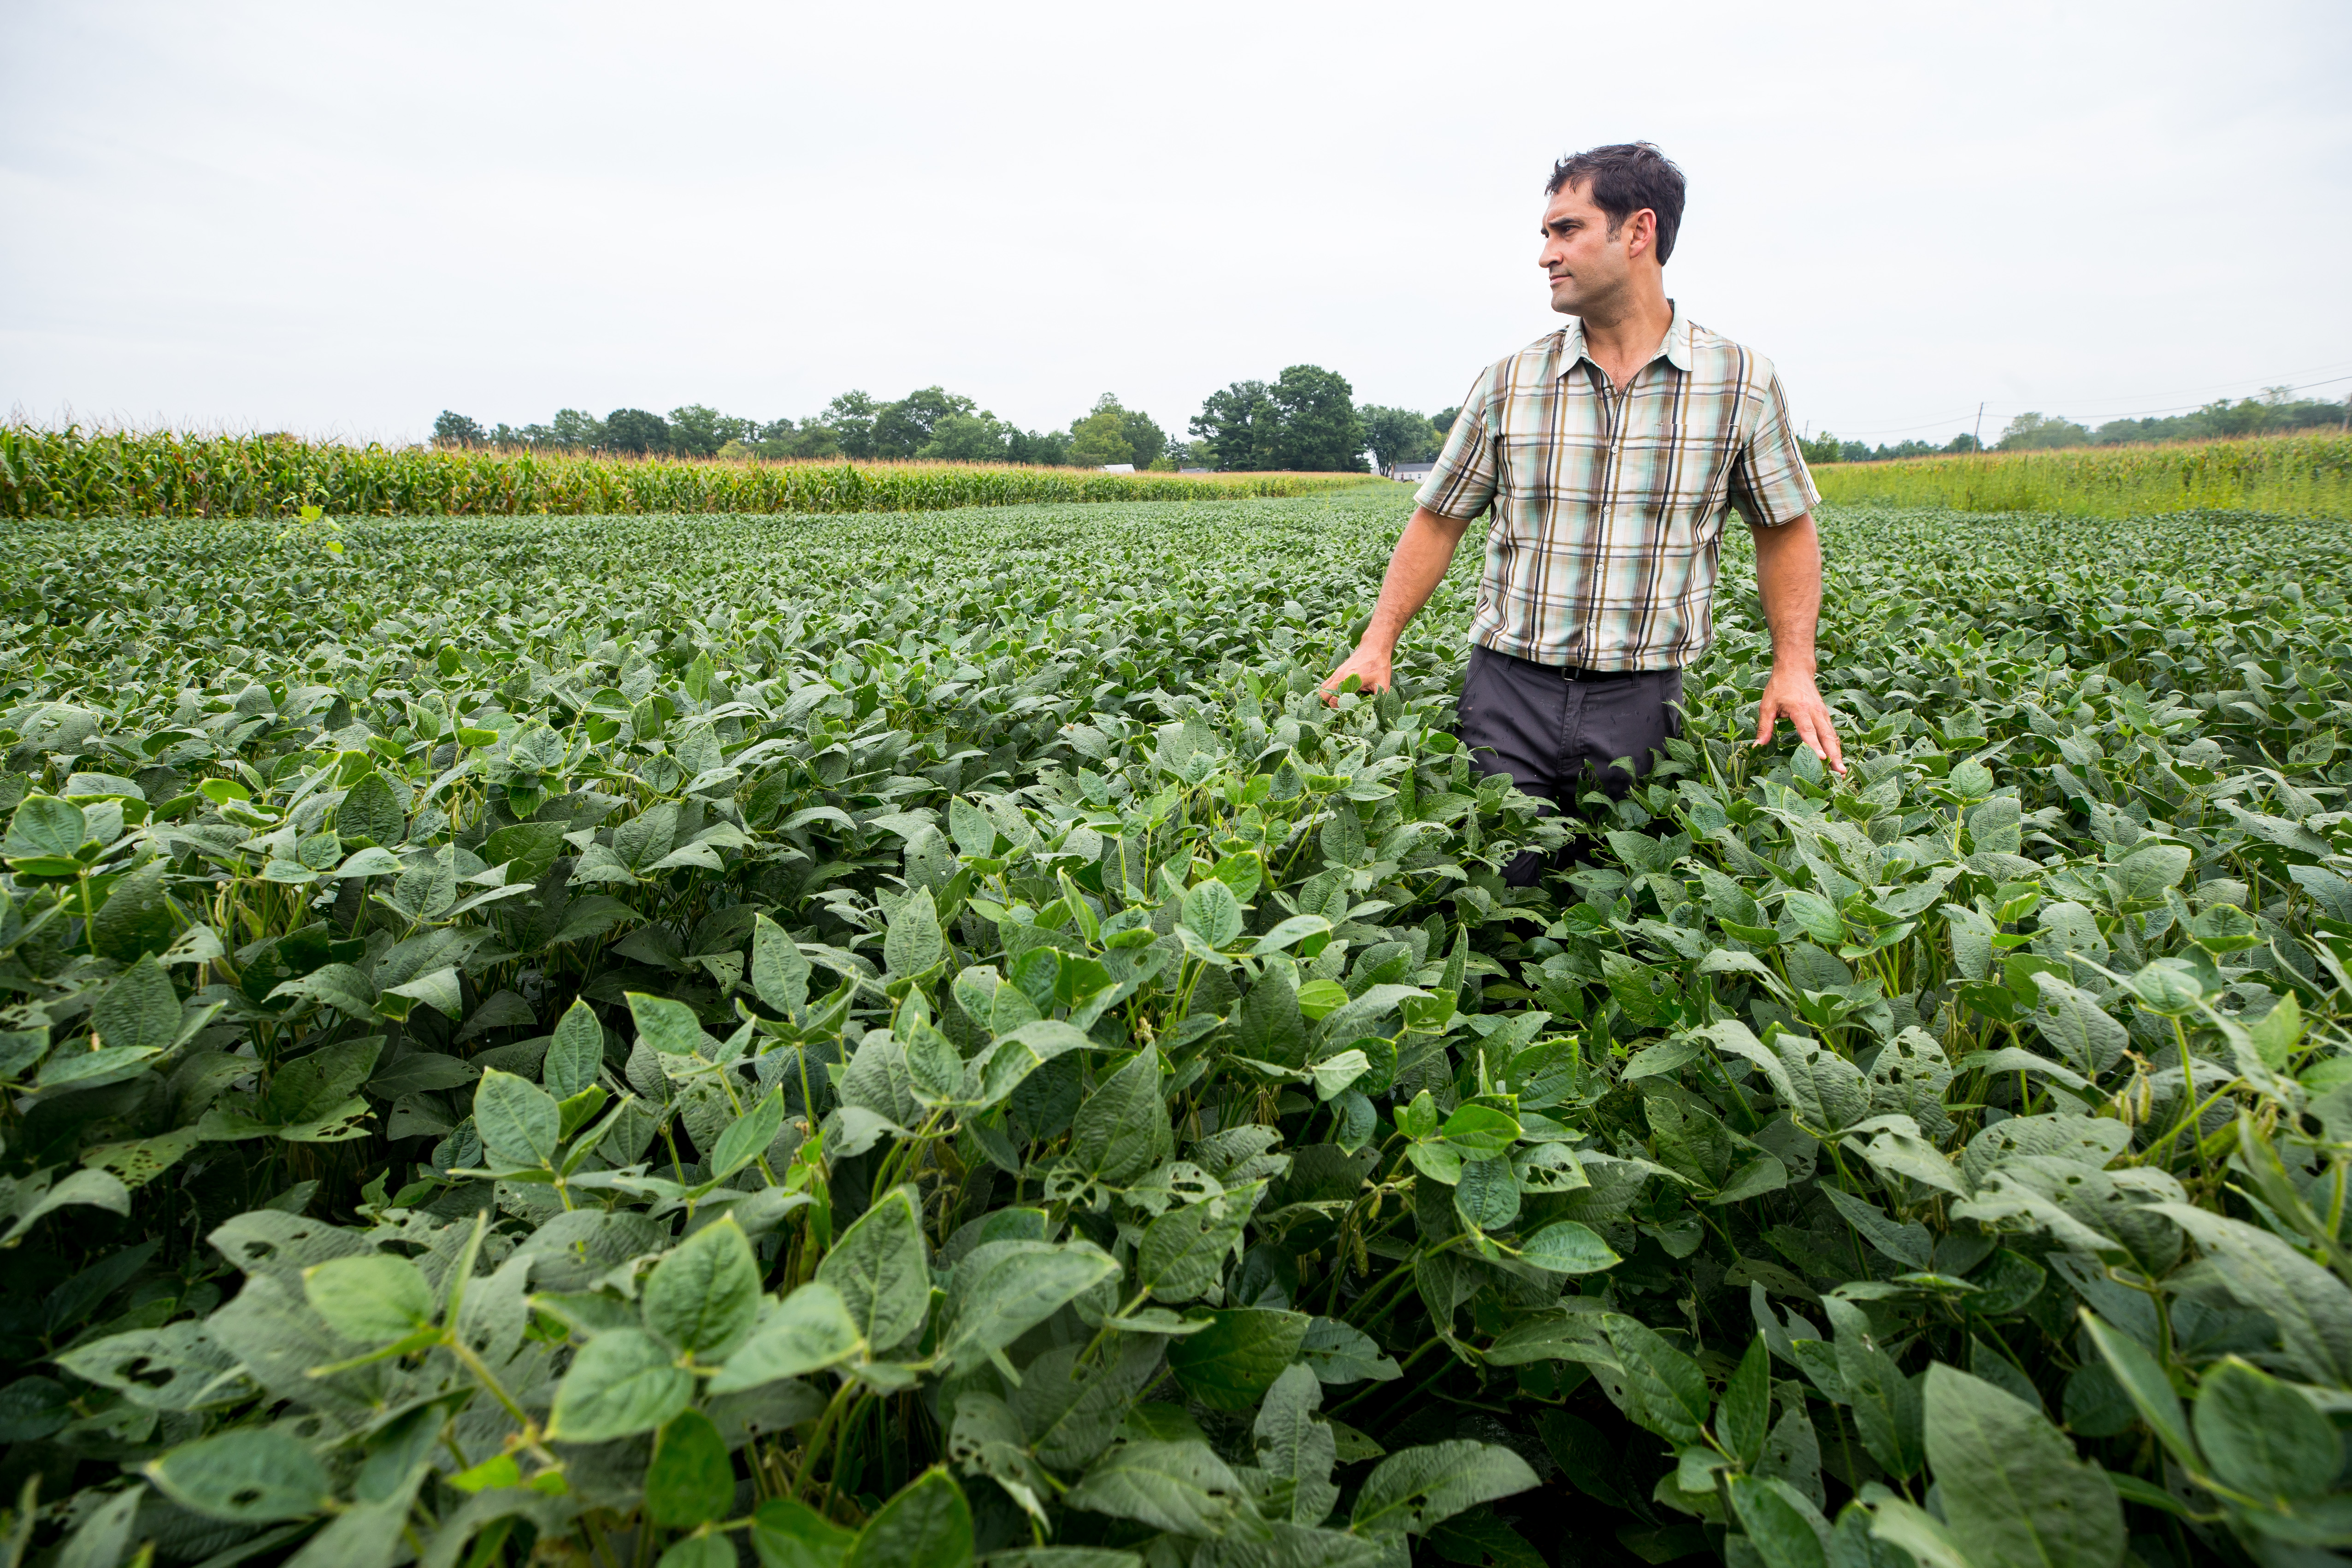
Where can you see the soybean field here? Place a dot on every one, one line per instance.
(859, 1040)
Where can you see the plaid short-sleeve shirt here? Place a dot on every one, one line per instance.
(1610, 502)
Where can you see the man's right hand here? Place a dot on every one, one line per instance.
(1370, 663)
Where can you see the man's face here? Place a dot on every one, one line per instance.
(1587, 264)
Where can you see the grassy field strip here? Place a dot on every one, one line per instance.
(2286, 476)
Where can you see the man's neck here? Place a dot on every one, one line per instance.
(1624, 336)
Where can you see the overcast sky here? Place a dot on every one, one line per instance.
(340, 219)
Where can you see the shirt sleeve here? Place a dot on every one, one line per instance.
(1770, 484)
(1462, 483)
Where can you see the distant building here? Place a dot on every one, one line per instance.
(1118, 467)
(1195, 471)
(1410, 473)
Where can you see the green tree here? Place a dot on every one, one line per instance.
(1318, 430)
(575, 427)
(967, 438)
(901, 429)
(2031, 432)
(1823, 448)
(1240, 426)
(457, 430)
(850, 418)
(699, 430)
(1100, 438)
(1143, 434)
(635, 431)
(1398, 435)
(1045, 449)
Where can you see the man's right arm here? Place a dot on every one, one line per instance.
(1414, 571)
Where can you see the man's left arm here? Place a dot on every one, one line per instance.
(1789, 579)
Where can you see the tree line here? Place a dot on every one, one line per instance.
(2276, 412)
(1306, 419)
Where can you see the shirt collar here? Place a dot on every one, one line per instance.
(1675, 348)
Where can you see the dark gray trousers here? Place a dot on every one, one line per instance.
(1560, 732)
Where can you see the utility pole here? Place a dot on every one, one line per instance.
(1979, 438)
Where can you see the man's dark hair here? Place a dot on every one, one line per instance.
(1621, 179)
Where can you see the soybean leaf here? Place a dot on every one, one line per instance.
(1230, 1364)
(705, 1296)
(517, 1121)
(927, 1525)
(880, 1266)
(809, 1331)
(1181, 1487)
(1001, 1290)
(1414, 1489)
(2012, 1488)
(250, 1475)
(372, 1298)
(691, 1480)
(575, 1054)
(622, 1382)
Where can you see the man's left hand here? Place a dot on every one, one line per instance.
(1791, 695)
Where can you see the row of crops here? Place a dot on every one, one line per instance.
(2293, 476)
(900, 1040)
(72, 473)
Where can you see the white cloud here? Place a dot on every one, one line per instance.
(346, 218)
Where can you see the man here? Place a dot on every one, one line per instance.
(1610, 453)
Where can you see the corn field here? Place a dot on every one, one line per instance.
(73, 473)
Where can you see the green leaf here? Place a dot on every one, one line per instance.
(575, 1054)
(45, 829)
(370, 813)
(748, 1136)
(2143, 1383)
(1213, 912)
(250, 1475)
(698, 1551)
(1743, 1419)
(1001, 1290)
(705, 1296)
(372, 1298)
(140, 1011)
(1487, 1194)
(2311, 1306)
(811, 1330)
(927, 1525)
(1667, 1389)
(780, 975)
(1183, 1251)
(517, 1121)
(669, 1027)
(1181, 1488)
(1782, 1524)
(136, 918)
(691, 1480)
(2263, 1437)
(1296, 1452)
(1481, 1132)
(1887, 1412)
(622, 1382)
(2014, 1492)
(1122, 1128)
(1230, 1364)
(913, 943)
(1414, 1489)
(881, 1269)
(790, 1534)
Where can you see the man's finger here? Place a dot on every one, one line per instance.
(1767, 713)
(1830, 734)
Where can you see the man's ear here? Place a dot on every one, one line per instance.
(1642, 232)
